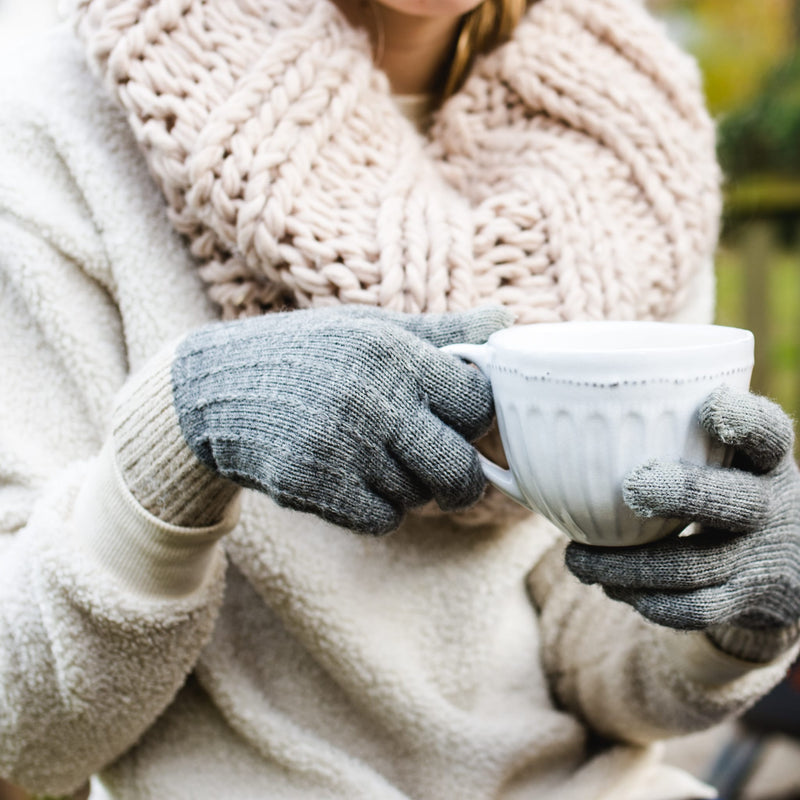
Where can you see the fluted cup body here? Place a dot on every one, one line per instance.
(581, 404)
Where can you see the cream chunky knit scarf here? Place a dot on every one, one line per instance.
(572, 176)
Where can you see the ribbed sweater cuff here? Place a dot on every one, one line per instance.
(704, 663)
(156, 463)
(145, 554)
(754, 645)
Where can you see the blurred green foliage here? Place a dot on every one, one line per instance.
(783, 294)
(749, 54)
(736, 42)
(763, 135)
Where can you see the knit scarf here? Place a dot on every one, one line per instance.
(572, 177)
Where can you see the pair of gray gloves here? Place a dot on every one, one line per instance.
(356, 415)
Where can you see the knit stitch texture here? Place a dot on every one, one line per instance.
(742, 567)
(572, 176)
(354, 414)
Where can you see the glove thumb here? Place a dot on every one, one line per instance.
(474, 326)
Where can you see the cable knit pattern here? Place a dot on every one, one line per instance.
(572, 177)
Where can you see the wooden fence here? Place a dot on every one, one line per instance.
(758, 272)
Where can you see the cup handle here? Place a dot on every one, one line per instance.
(503, 479)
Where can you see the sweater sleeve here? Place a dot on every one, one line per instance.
(629, 679)
(104, 608)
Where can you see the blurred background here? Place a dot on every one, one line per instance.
(749, 55)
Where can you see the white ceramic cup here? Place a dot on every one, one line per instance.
(580, 404)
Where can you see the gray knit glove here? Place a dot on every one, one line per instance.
(350, 413)
(741, 570)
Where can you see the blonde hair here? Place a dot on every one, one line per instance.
(486, 26)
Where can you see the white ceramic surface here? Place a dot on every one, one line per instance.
(580, 404)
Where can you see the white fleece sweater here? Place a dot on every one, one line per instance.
(272, 655)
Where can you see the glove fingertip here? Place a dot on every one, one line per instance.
(381, 522)
(472, 326)
(477, 411)
(480, 323)
(577, 558)
(467, 493)
(750, 422)
(642, 486)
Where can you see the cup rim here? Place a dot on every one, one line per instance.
(590, 349)
(589, 333)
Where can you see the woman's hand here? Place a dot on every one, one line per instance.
(742, 568)
(350, 413)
